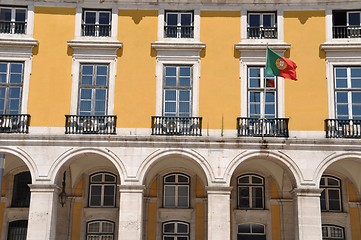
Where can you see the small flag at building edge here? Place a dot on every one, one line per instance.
(280, 66)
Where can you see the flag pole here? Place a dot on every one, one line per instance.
(264, 95)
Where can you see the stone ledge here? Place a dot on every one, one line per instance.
(340, 46)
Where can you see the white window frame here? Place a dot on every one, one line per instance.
(175, 235)
(196, 24)
(85, 59)
(99, 234)
(347, 90)
(26, 79)
(97, 13)
(348, 17)
(334, 59)
(244, 26)
(29, 21)
(103, 183)
(256, 62)
(250, 225)
(93, 88)
(177, 88)
(176, 186)
(263, 94)
(195, 63)
(261, 15)
(329, 236)
(79, 20)
(326, 188)
(250, 186)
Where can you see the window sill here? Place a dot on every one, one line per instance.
(23, 41)
(97, 43)
(343, 45)
(178, 46)
(251, 44)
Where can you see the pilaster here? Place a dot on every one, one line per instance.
(219, 217)
(131, 212)
(42, 212)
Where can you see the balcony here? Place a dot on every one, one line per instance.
(75, 124)
(14, 123)
(12, 27)
(96, 30)
(262, 32)
(266, 127)
(178, 31)
(336, 128)
(347, 31)
(189, 126)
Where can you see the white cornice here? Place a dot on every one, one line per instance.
(252, 46)
(94, 44)
(341, 46)
(18, 42)
(179, 46)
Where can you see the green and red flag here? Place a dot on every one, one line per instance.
(280, 66)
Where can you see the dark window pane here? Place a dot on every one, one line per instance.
(169, 228)
(21, 190)
(183, 179)
(254, 20)
(257, 228)
(244, 228)
(182, 228)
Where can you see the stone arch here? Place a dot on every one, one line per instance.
(73, 153)
(188, 155)
(25, 158)
(277, 157)
(333, 158)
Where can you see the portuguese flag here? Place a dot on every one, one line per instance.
(280, 66)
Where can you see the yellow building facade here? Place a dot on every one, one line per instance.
(157, 120)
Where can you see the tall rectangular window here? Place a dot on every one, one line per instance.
(348, 92)
(178, 25)
(21, 190)
(177, 91)
(17, 230)
(96, 23)
(93, 89)
(262, 94)
(11, 87)
(262, 25)
(346, 24)
(13, 20)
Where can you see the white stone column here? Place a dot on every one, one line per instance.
(131, 212)
(42, 212)
(219, 213)
(308, 214)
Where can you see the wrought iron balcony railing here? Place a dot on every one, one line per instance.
(190, 126)
(96, 30)
(262, 32)
(347, 31)
(266, 127)
(337, 128)
(76, 124)
(14, 123)
(178, 31)
(12, 27)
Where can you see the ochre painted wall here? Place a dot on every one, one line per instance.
(276, 221)
(135, 92)
(354, 212)
(219, 79)
(77, 211)
(200, 211)
(152, 212)
(50, 81)
(306, 100)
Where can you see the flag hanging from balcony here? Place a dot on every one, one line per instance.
(280, 66)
